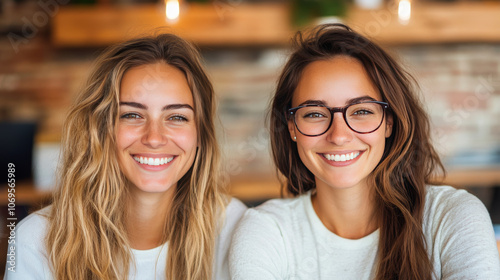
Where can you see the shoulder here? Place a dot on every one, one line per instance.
(446, 200)
(459, 234)
(448, 194)
(234, 211)
(261, 244)
(31, 231)
(31, 258)
(451, 215)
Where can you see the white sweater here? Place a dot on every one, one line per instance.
(285, 239)
(32, 261)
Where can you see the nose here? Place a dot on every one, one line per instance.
(339, 133)
(154, 135)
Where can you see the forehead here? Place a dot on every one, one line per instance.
(334, 81)
(156, 83)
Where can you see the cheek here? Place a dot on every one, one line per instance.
(306, 146)
(125, 136)
(186, 139)
(375, 140)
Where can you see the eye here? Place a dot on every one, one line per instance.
(314, 115)
(178, 118)
(130, 116)
(362, 112)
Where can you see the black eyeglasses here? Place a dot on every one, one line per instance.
(315, 120)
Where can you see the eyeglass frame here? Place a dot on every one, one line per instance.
(333, 110)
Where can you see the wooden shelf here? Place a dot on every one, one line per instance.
(26, 194)
(438, 22)
(204, 24)
(470, 177)
(251, 189)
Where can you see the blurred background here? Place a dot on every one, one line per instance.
(47, 48)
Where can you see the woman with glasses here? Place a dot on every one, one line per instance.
(140, 196)
(352, 141)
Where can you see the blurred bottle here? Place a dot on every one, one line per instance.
(307, 11)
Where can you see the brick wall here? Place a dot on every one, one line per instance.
(461, 88)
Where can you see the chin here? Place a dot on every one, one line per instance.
(341, 183)
(155, 187)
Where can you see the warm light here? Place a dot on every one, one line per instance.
(172, 9)
(404, 11)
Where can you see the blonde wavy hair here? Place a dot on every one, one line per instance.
(86, 236)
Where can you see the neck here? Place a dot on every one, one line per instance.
(146, 217)
(349, 213)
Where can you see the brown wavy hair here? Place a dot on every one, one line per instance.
(409, 160)
(86, 237)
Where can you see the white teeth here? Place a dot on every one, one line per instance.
(153, 161)
(344, 157)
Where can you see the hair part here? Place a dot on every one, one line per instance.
(86, 237)
(409, 159)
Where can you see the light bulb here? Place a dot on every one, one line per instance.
(404, 11)
(172, 9)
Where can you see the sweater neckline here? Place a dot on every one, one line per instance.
(331, 237)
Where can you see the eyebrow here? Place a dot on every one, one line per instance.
(144, 107)
(349, 101)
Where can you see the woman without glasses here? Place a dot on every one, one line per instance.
(353, 143)
(140, 192)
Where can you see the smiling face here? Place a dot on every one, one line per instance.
(156, 134)
(340, 158)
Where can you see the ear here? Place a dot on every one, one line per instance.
(291, 129)
(388, 125)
